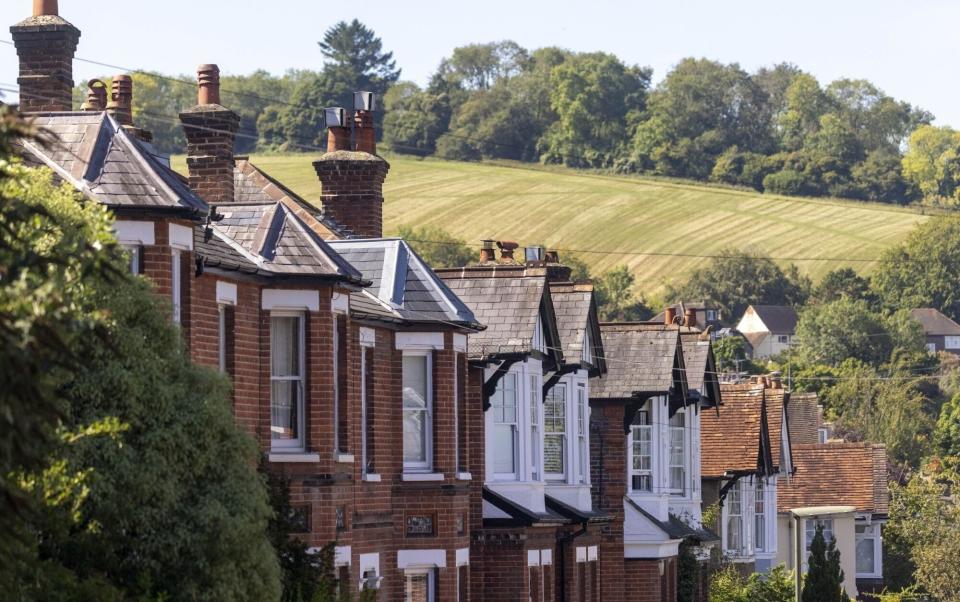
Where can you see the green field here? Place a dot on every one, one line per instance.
(587, 213)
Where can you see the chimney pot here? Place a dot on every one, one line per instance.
(690, 319)
(96, 96)
(487, 252)
(533, 254)
(364, 101)
(365, 140)
(209, 91)
(669, 316)
(121, 99)
(338, 135)
(43, 8)
(552, 257)
(507, 247)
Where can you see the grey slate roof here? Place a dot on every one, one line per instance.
(935, 323)
(508, 299)
(779, 319)
(403, 283)
(93, 153)
(576, 312)
(268, 239)
(640, 361)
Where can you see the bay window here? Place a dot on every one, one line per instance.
(417, 412)
(286, 381)
(366, 416)
(759, 517)
(555, 434)
(734, 534)
(678, 453)
(583, 418)
(534, 428)
(506, 429)
(641, 450)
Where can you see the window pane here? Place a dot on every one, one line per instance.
(505, 455)
(418, 588)
(414, 436)
(285, 346)
(414, 381)
(553, 453)
(284, 402)
(865, 560)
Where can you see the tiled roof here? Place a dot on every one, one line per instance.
(268, 239)
(732, 441)
(98, 157)
(640, 360)
(776, 401)
(837, 474)
(700, 366)
(508, 300)
(576, 314)
(403, 283)
(253, 185)
(935, 323)
(803, 416)
(779, 319)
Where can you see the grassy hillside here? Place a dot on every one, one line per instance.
(587, 212)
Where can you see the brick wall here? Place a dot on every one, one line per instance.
(352, 190)
(211, 133)
(46, 46)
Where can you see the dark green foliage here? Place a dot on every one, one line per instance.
(615, 297)
(824, 579)
(729, 585)
(730, 353)
(843, 283)
(438, 247)
(688, 573)
(736, 279)
(414, 119)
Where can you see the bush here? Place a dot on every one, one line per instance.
(787, 182)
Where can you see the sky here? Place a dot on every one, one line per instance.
(900, 46)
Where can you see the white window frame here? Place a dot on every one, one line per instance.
(583, 434)
(364, 411)
(729, 515)
(810, 531)
(673, 431)
(877, 537)
(760, 516)
(552, 400)
(299, 442)
(222, 337)
(134, 252)
(635, 431)
(427, 465)
(951, 342)
(536, 434)
(430, 572)
(517, 474)
(176, 284)
(783, 339)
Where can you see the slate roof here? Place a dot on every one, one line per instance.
(734, 440)
(253, 185)
(702, 380)
(674, 527)
(269, 240)
(508, 299)
(641, 359)
(576, 312)
(92, 152)
(837, 474)
(403, 283)
(935, 323)
(779, 319)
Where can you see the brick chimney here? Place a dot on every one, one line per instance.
(211, 131)
(45, 44)
(351, 181)
(556, 271)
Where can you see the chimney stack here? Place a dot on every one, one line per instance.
(120, 106)
(670, 316)
(690, 319)
(96, 96)
(351, 181)
(211, 131)
(507, 248)
(487, 252)
(46, 44)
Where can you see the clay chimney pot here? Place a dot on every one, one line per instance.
(690, 319)
(43, 8)
(209, 91)
(96, 96)
(669, 316)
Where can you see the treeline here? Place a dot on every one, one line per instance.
(776, 130)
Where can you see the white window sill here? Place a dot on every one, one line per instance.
(344, 458)
(464, 476)
(293, 457)
(371, 477)
(422, 476)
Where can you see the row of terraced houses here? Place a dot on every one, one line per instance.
(471, 433)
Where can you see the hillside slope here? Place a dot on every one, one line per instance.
(587, 213)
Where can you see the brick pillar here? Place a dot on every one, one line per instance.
(211, 130)
(352, 190)
(46, 44)
(608, 469)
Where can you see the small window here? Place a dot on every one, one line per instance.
(175, 284)
(868, 546)
(678, 453)
(417, 412)
(931, 348)
(583, 417)
(366, 413)
(641, 448)
(759, 517)
(711, 315)
(951, 342)
(821, 435)
(783, 339)
(555, 434)
(286, 381)
(506, 429)
(421, 585)
(135, 253)
(810, 530)
(534, 428)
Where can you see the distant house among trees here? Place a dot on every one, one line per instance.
(942, 333)
(770, 329)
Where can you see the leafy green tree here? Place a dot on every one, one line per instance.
(615, 297)
(437, 247)
(729, 585)
(355, 57)
(481, 66)
(731, 355)
(842, 283)
(595, 97)
(879, 177)
(806, 103)
(414, 119)
(735, 279)
(947, 435)
(932, 163)
(923, 269)
(824, 578)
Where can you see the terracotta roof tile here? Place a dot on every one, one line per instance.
(731, 441)
(837, 474)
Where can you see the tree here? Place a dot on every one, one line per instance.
(729, 585)
(437, 247)
(123, 501)
(947, 434)
(824, 579)
(414, 119)
(615, 299)
(806, 103)
(595, 97)
(932, 162)
(735, 279)
(842, 283)
(923, 269)
(355, 56)
(481, 66)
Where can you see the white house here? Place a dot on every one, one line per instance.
(770, 329)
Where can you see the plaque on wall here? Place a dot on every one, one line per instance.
(419, 525)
